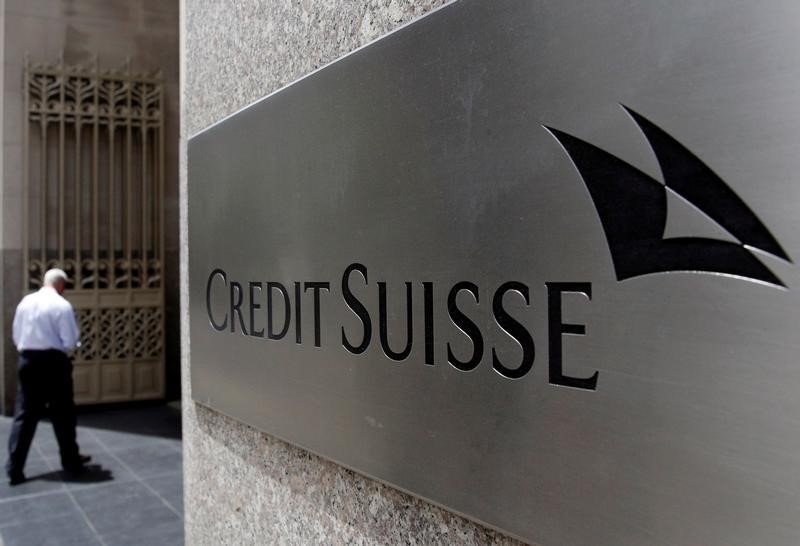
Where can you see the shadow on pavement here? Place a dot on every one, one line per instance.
(158, 420)
(94, 473)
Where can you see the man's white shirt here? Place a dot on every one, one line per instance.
(45, 320)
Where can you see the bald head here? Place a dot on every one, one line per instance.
(56, 278)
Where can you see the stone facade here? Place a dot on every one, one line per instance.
(243, 486)
(143, 32)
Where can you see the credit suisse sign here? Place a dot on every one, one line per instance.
(530, 262)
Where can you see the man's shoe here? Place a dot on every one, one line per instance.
(16, 478)
(79, 465)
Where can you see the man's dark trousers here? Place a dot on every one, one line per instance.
(45, 383)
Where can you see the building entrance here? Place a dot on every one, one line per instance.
(93, 182)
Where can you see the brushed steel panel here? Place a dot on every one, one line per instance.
(424, 157)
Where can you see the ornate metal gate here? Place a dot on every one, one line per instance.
(93, 177)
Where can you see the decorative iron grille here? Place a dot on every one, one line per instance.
(93, 178)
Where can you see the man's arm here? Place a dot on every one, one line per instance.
(17, 326)
(68, 329)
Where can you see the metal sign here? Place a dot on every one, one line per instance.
(530, 261)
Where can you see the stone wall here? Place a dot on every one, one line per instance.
(243, 486)
(142, 31)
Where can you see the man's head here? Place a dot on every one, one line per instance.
(57, 279)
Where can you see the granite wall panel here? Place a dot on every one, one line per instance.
(243, 486)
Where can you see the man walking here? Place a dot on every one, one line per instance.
(45, 332)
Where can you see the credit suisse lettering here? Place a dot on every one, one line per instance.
(249, 307)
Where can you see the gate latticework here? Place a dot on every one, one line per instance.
(93, 183)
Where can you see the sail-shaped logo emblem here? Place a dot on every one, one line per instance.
(632, 207)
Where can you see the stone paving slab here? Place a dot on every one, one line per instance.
(132, 496)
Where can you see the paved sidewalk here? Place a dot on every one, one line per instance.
(133, 494)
